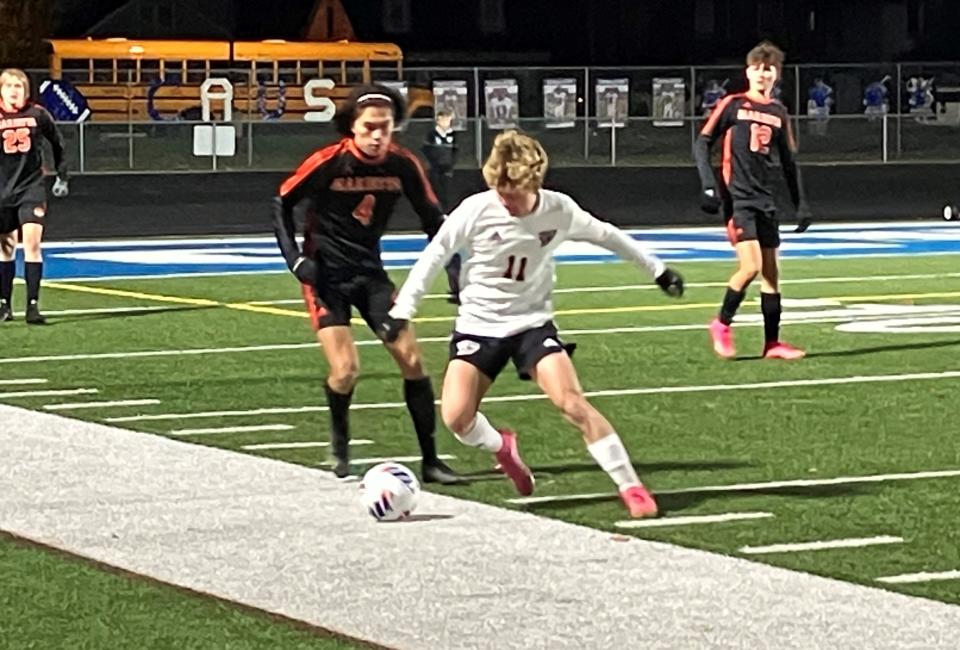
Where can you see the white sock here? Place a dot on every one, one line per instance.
(482, 435)
(612, 457)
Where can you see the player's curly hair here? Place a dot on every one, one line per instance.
(767, 53)
(17, 73)
(517, 161)
(370, 95)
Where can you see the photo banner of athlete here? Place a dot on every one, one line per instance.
(452, 96)
(612, 102)
(404, 89)
(668, 101)
(559, 103)
(502, 102)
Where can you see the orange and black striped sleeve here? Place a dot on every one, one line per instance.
(295, 190)
(721, 119)
(417, 189)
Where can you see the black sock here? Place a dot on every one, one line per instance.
(33, 271)
(419, 396)
(770, 306)
(339, 404)
(731, 303)
(7, 271)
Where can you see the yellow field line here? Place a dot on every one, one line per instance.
(279, 311)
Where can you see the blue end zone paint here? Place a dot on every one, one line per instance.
(160, 257)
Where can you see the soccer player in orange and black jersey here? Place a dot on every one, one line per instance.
(753, 126)
(346, 193)
(23, 198)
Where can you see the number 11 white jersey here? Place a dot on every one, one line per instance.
(507, 275)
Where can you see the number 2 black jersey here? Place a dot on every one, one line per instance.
(347, 200)
(21, 151)
(752, 130)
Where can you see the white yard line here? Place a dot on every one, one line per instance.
(300, 445)
(103, 310)
(620, 392)
(755, 487)
(692, 520)
(689, 285)
(824, 545)
(69, 406)
(16, 382)
(48, 393)
(240, 429)
(923, 576)
(392, 459)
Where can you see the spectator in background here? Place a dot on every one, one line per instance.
(819, 101)
(712, 95)
(440, 149)
(875, 100)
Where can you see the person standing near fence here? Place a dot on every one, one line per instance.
(440, 150)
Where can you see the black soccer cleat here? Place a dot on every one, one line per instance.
(439, 472)
(6, 311)
(341, 467)
(34, 317)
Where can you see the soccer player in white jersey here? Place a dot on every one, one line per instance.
(508, 235)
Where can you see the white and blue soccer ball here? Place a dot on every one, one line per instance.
(389, 491)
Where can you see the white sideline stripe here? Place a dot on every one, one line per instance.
(707, 388)
(14, 382)
(691, 519)
(423, 339)
(923, 576)
(825, 545)
(48, 393)
(103, 310)
(299, 445)
(242, 429)
(689, 285)
(66, 406)
(752, 487)
(390, 459)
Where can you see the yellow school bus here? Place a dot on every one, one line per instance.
(118, 76)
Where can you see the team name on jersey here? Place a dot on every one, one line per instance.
(17, 122)
(757, 116)
(366, 184)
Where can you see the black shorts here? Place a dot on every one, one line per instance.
(31, 208)
(330, 304)
(747, 223)
(526, 349)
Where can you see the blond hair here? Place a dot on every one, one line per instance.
(766, 53)
(17, 73)
(517, 162)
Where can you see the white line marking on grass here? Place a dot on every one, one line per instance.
(753, 487)
(242, 429)
(692, 519)
(48, 393)
(15, 382)
(923, 576)
(619, 392)
(299, 445)
(825, 545)
(390, 459)
(68, 406)
(104, 310)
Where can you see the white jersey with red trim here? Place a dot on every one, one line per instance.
(507, 276)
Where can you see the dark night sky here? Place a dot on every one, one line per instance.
(625, 32)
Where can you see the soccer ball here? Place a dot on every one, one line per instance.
(389, 491)
(951, 213)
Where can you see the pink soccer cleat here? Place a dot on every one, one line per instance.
(781, 350)
(512, 465)
(722, 336)
(639, 502)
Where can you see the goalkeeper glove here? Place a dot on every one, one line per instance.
(671, 283)
(710, 201)
(61, 188)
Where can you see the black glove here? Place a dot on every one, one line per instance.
(804, 218)
(389, 330)
(305, 269)
(671, 283)
(710, 200)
